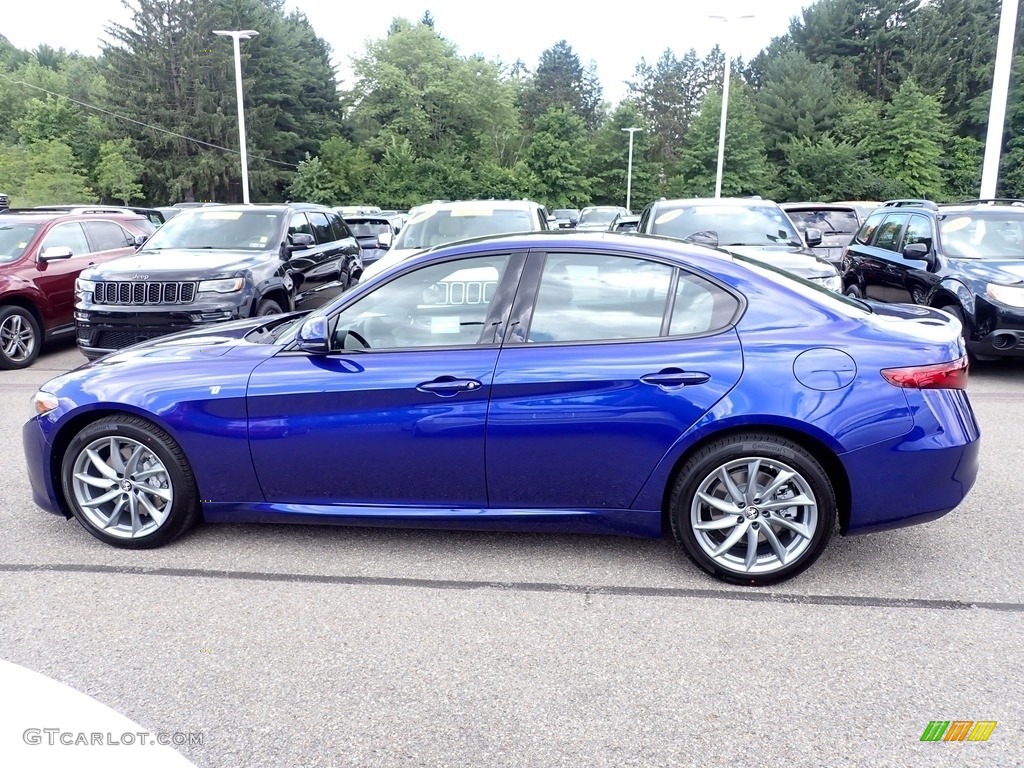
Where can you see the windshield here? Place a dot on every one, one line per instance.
(830, 222)
(14, 239)
(566, 213)
(218, 230)
(446, 225)
(599, 215)
(368, 228)
(979, 237)
(734, 224)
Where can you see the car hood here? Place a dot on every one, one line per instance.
(1006, 271)
(394, 256)
(790, 258)
(173, 263)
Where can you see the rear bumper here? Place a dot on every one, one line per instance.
(922, 475)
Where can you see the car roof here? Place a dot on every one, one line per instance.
(818, 206)
(33, 214)
(752, 202)
(506, 204)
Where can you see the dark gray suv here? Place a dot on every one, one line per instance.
(213, 264)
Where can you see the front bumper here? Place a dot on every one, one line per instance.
(38, 453)
(99, 331)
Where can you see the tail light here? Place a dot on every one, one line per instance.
(952, 375)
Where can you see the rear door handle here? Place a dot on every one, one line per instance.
(448, 386)
(673, 377)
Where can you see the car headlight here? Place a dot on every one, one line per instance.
(1013, 295)
(832, 282)
(44, 402)
(227, 285)
(84, 286)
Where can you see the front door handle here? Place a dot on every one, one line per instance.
(671, 378)
(448, 386)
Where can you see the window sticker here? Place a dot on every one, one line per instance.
(668, 216)
(954, 225)
(444, 325)
(472, 210)
(226, 215)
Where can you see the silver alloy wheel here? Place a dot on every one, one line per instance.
(754, 515)
(122, 487)
(17, 340)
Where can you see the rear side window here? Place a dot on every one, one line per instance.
(321, 227)
(700, 307)
(341, 231)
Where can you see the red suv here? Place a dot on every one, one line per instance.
(41, 254)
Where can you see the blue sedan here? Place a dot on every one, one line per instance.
(585, 383)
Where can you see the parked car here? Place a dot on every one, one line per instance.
(577, 383)
(565, 218)
(748, 226)
(596, 218)
(837, 222)
(623, 223)
(5, 202)
(375, 234)
(210, 265)
(41, 255)
(440, 223)
(966, 259)
(155, 215)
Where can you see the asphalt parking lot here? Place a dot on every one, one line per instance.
(308, 646)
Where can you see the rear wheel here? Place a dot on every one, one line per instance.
(20, 338)
(753, 509)
(129, 484)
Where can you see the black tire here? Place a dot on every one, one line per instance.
(854, 292)
(268, 307)
(734, 454)
(956, 312)
(20, 338)
(179, 514)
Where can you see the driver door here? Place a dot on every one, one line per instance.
(395, 414)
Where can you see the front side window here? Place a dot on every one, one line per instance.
(107, 236)
(321, 227)
(919, 230)
(299, 224)
(439, 305)
(68, 235)
(888, 236)
(591, 297)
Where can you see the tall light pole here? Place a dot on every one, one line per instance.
(629, 168)
(997, 107)
(236, 35)
(725, 102)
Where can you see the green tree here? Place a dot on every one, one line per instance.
(312, 183)
(909, 146)
(45, 172)
(819, 168)
(609, 160)
(798, 99)
(556, 156)
(561, 80)
(118, 170)
(745, 168)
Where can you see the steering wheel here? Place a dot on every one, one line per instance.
(358, 337)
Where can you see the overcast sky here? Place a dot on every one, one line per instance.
(523, 29)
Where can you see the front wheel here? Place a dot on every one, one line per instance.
(129, 483)
(268, 307)
(20, 338)
(753, 509)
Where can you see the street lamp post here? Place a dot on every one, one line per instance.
(629, 167)
(997, 106)
(725, 103)
(236, 35)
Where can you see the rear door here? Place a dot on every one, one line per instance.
(607, 360)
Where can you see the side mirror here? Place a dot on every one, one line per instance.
(140, 240)
(916, 252)
(312, 336)
(813, 237)
(56, 252)
(300, 241)
(384, 239)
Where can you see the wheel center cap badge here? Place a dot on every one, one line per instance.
(751, 513)
(126, 485)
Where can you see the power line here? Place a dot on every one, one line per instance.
(138, 122)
